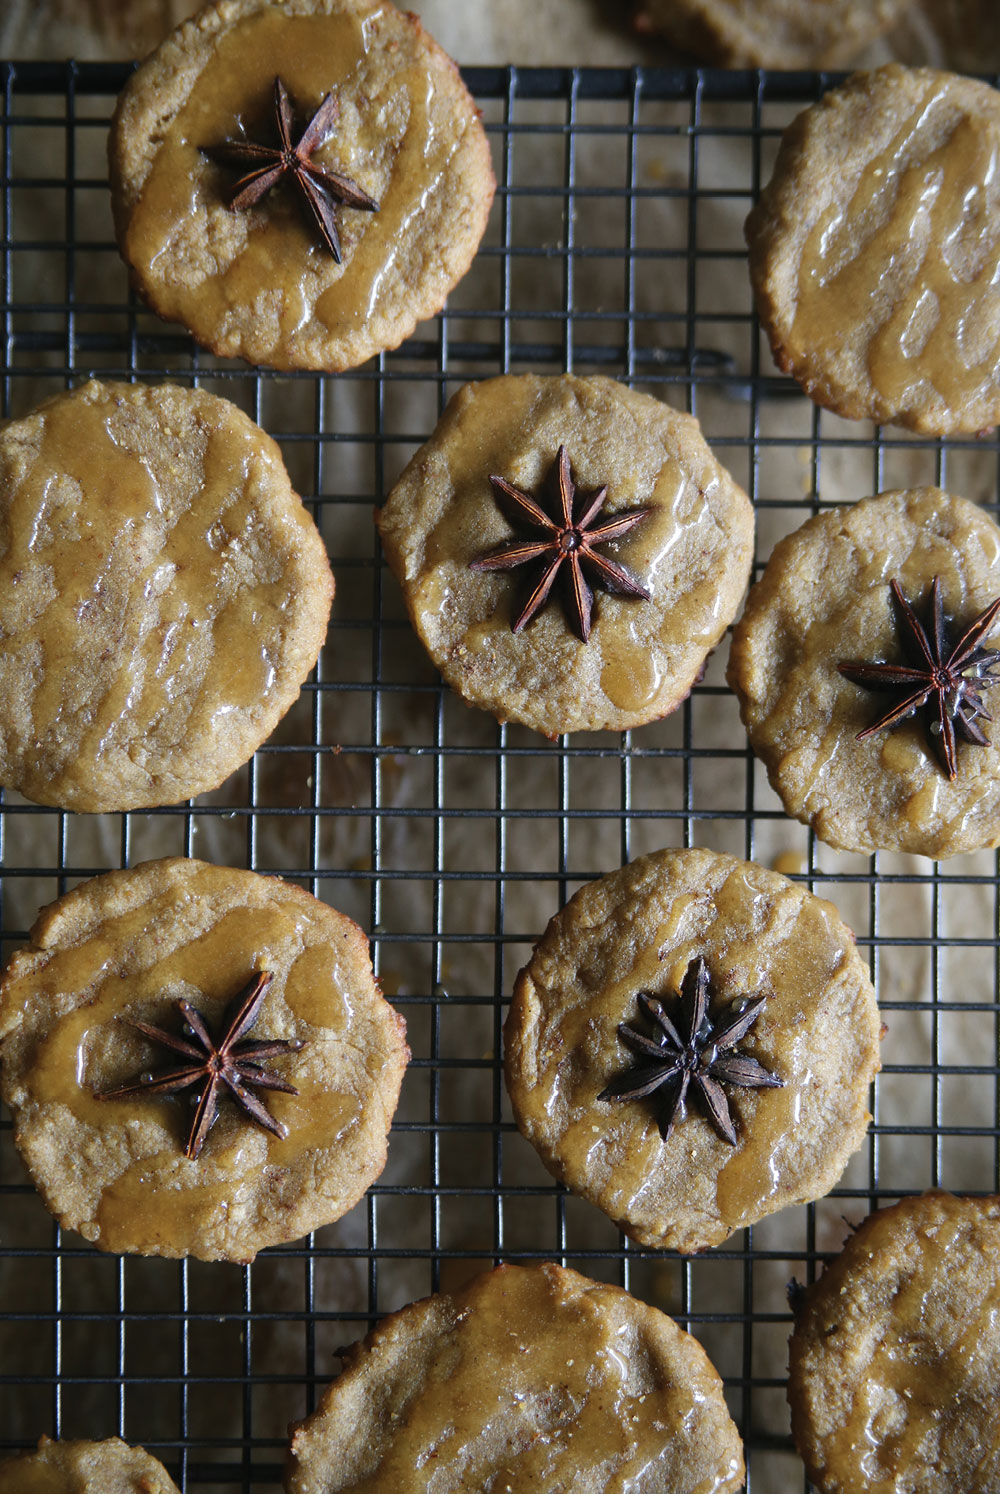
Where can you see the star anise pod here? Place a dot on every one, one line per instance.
(320, 189)
(943, 677)
(218, 1065)
(691, 1050)
(568, 538)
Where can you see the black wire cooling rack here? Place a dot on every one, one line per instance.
(615, 246)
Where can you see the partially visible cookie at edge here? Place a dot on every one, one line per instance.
(259, 281)
(895, 1358)
(691, 552)
(108, 1467)
(127, 947)
(824, 599)
(636, 936)
(163, 595)
(770, 33)
(564, 1383)
(875, 250)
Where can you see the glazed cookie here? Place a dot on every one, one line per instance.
(895, 1359)
(826, 600)
(874, 251)
(180, 968)
(499, 528)
(109, 1467)
(163, 594)
(298, 184)
(691, 1045)
(770, 33)
(528, 1378)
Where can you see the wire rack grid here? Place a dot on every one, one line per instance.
(615, 246)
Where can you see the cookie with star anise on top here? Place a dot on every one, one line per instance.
(867, 664)
(569, 550)
(298, 184)
(198, 1061)
(691, 1046)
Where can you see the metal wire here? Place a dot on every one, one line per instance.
(614, 247)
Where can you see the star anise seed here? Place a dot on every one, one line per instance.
(691, 1050)
(319, 188)
(218, 1065)
(570, 540)
(944, 678)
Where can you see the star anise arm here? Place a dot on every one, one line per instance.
(979, 629)
(737, 1068)
(319, 127)
(166, 1083)
(590, 508)
(656, 1012)
(616, 526)
(642, 1045)
(256, 184)
(168, 1039)
(674, 1105)
(637, 1083)
(520, 507)
(694, 999)
(253, 1052)
(912, 632)
(718, 1105)
(898, 713)
(264, 1079)
(205, 1113)
(253, 1106)
(344, 188)
(884, 676)
(971, 730)
(566, 488)
(615, 577)
(538, 595)
(737, 1029)
(241, 1013)
(946, 736)
(322, 209)
(511, 555)
(581, 598)
(284, 115)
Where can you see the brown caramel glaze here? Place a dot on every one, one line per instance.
(824, 597)
(109, 1467)
(163, 594)
(529, 1379)
(693, 552)
(260, 283)
(638, 929)
(130, 944)
(875, 251)
(895, 1359)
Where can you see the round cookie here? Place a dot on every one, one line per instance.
(875, 247)
(825, 598)
(125, 948)
(530, 1377)
(109, 1467)
(691, 552)
(163, 594)
(895, 1358)
(770, 33)
(258, 281)
(643, 929)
